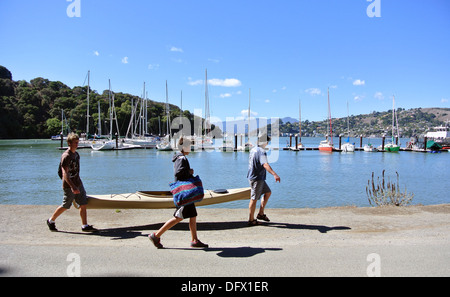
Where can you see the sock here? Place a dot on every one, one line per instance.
(50, 221)
(84, 226)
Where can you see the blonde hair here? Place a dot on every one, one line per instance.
(71, 137)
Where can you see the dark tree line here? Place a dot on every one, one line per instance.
(33, 109)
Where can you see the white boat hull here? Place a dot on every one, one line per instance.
(160, 199)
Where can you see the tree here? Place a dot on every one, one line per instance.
(5, 73)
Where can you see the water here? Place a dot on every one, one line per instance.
(28, 173)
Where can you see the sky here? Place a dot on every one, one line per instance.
(278, 53)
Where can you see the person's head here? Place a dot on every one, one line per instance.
(72, 140)
(184, 145)
(263, 140)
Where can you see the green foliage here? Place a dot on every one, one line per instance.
(33, 109)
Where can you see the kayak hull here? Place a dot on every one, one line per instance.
(160, 199)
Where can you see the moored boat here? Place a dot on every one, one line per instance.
(103, 145)
(161, 199)
(325, 146)
(370, 148)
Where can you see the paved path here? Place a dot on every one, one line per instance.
(345, 241)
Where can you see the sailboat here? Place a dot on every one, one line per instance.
(299, 144)
(137, 132)
(347, 146)
(391, 146)
(165, 143)
(248, 145)
(109, 144)
(205, 142)
(327, 145)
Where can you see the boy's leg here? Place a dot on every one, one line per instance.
(193, 228)
(169, 224)
(83, 215)
(57, 213)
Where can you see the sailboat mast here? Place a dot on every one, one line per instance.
(207, 124)
(110, 111)
(393, 117)
(248, 116)
(87, 115)
(329, 116)
(167, 111)
(300, 118)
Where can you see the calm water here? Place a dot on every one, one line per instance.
(28, 173)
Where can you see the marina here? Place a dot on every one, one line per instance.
(309, 178)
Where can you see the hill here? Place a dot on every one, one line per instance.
(412, 122)
(33, 109)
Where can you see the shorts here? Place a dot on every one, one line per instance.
(259, 187)
(184, 212)
(69, 197)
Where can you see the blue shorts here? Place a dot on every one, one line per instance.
(69, 197)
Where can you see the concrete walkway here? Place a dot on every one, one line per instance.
(344, 241)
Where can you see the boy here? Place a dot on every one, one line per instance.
(72, 186)
(182, 171)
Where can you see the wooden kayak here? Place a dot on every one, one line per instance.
(161, 199)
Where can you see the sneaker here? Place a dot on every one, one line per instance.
(51, 226)
(89, 228)
(198, 244)
(156, 241)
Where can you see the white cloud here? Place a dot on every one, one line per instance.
(216, 82)
(228, 82)
(96, 53)
(313, 91)
(125, 60)
(176, 49)
(226, 95)
(153, 66)
(214, 60)
(444, 100)
(359, 82)
(267, 101)
(379, 96)
(358, 98)
(194, 82)
(244, 113)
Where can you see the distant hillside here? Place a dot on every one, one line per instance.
(412, 122)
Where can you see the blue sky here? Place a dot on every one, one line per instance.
(284, 51)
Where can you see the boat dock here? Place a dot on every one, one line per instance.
(293, 145)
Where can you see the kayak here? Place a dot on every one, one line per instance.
(161, 199)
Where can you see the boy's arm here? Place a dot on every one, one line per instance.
(65, 171)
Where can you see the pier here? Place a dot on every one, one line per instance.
(294, 141)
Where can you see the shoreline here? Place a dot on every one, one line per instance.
(332, 241)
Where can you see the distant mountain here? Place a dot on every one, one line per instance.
(241, 126)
